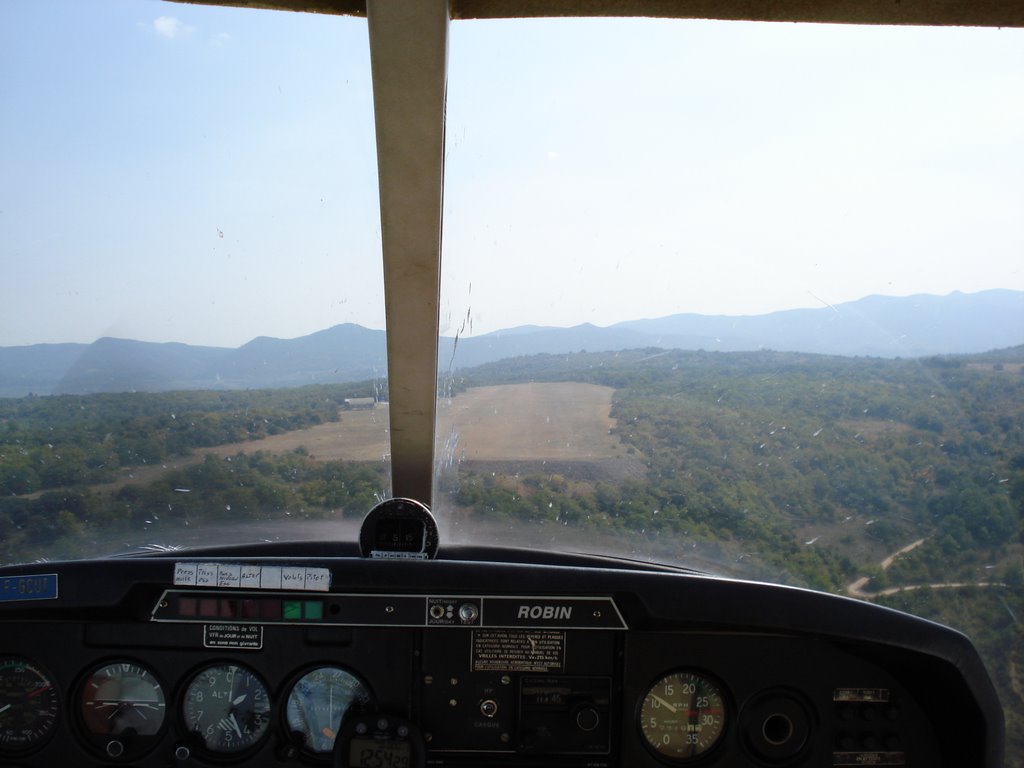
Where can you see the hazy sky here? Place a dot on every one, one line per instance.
(179, 173)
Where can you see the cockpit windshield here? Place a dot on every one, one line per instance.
(719, 264)
(192, 307)
(740, 297)
(744, 297)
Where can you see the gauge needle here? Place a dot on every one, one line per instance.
(234, 724)
(664, 703)
(38, 691)
(4, 708)
(239, 700)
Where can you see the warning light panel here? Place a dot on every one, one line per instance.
(266, 608)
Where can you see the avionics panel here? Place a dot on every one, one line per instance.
(539, 666)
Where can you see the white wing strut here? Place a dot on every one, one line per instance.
(409, 58)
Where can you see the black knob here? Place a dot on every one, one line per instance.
(587, 719)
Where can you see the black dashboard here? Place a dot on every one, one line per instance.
(311, 655)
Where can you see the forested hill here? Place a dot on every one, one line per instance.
(880, 326)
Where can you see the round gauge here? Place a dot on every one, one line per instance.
(122, 708)
(683, 715)
(227, 706)
(29, 705)
(122, 698)
(318, 703)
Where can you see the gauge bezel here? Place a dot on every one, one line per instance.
(138, 745)
(195, 740)
(803, 720)
(286, 695)
(727, 706)
(44, 739)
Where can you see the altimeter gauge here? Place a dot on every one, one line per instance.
(228, 707)
(29, 705)
(683, 716)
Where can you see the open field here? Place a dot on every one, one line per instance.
(358, 436)
(872, 428)
(565, 421)
(999, 367)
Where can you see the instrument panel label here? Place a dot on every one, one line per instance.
(239, 637)
(869, 758)
(245, 576)
(553, 612)
(514, 650)
(37, 586)
(861, 695)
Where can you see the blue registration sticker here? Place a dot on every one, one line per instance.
(39, 586)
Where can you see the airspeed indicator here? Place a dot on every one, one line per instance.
(29, 706)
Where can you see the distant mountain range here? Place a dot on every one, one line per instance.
(878, 326)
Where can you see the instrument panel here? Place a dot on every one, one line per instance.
(144, 662)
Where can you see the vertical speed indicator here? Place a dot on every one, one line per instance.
(683, 716)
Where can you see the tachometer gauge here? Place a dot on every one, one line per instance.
(318, 703)
(29, 705)
(683, 716)
(228, 707)
(122, 707)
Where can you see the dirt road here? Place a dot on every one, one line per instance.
(856, 588)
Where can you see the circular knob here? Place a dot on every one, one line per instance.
(587, 719)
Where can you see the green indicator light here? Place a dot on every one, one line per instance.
(292, 609)
(314, 609)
